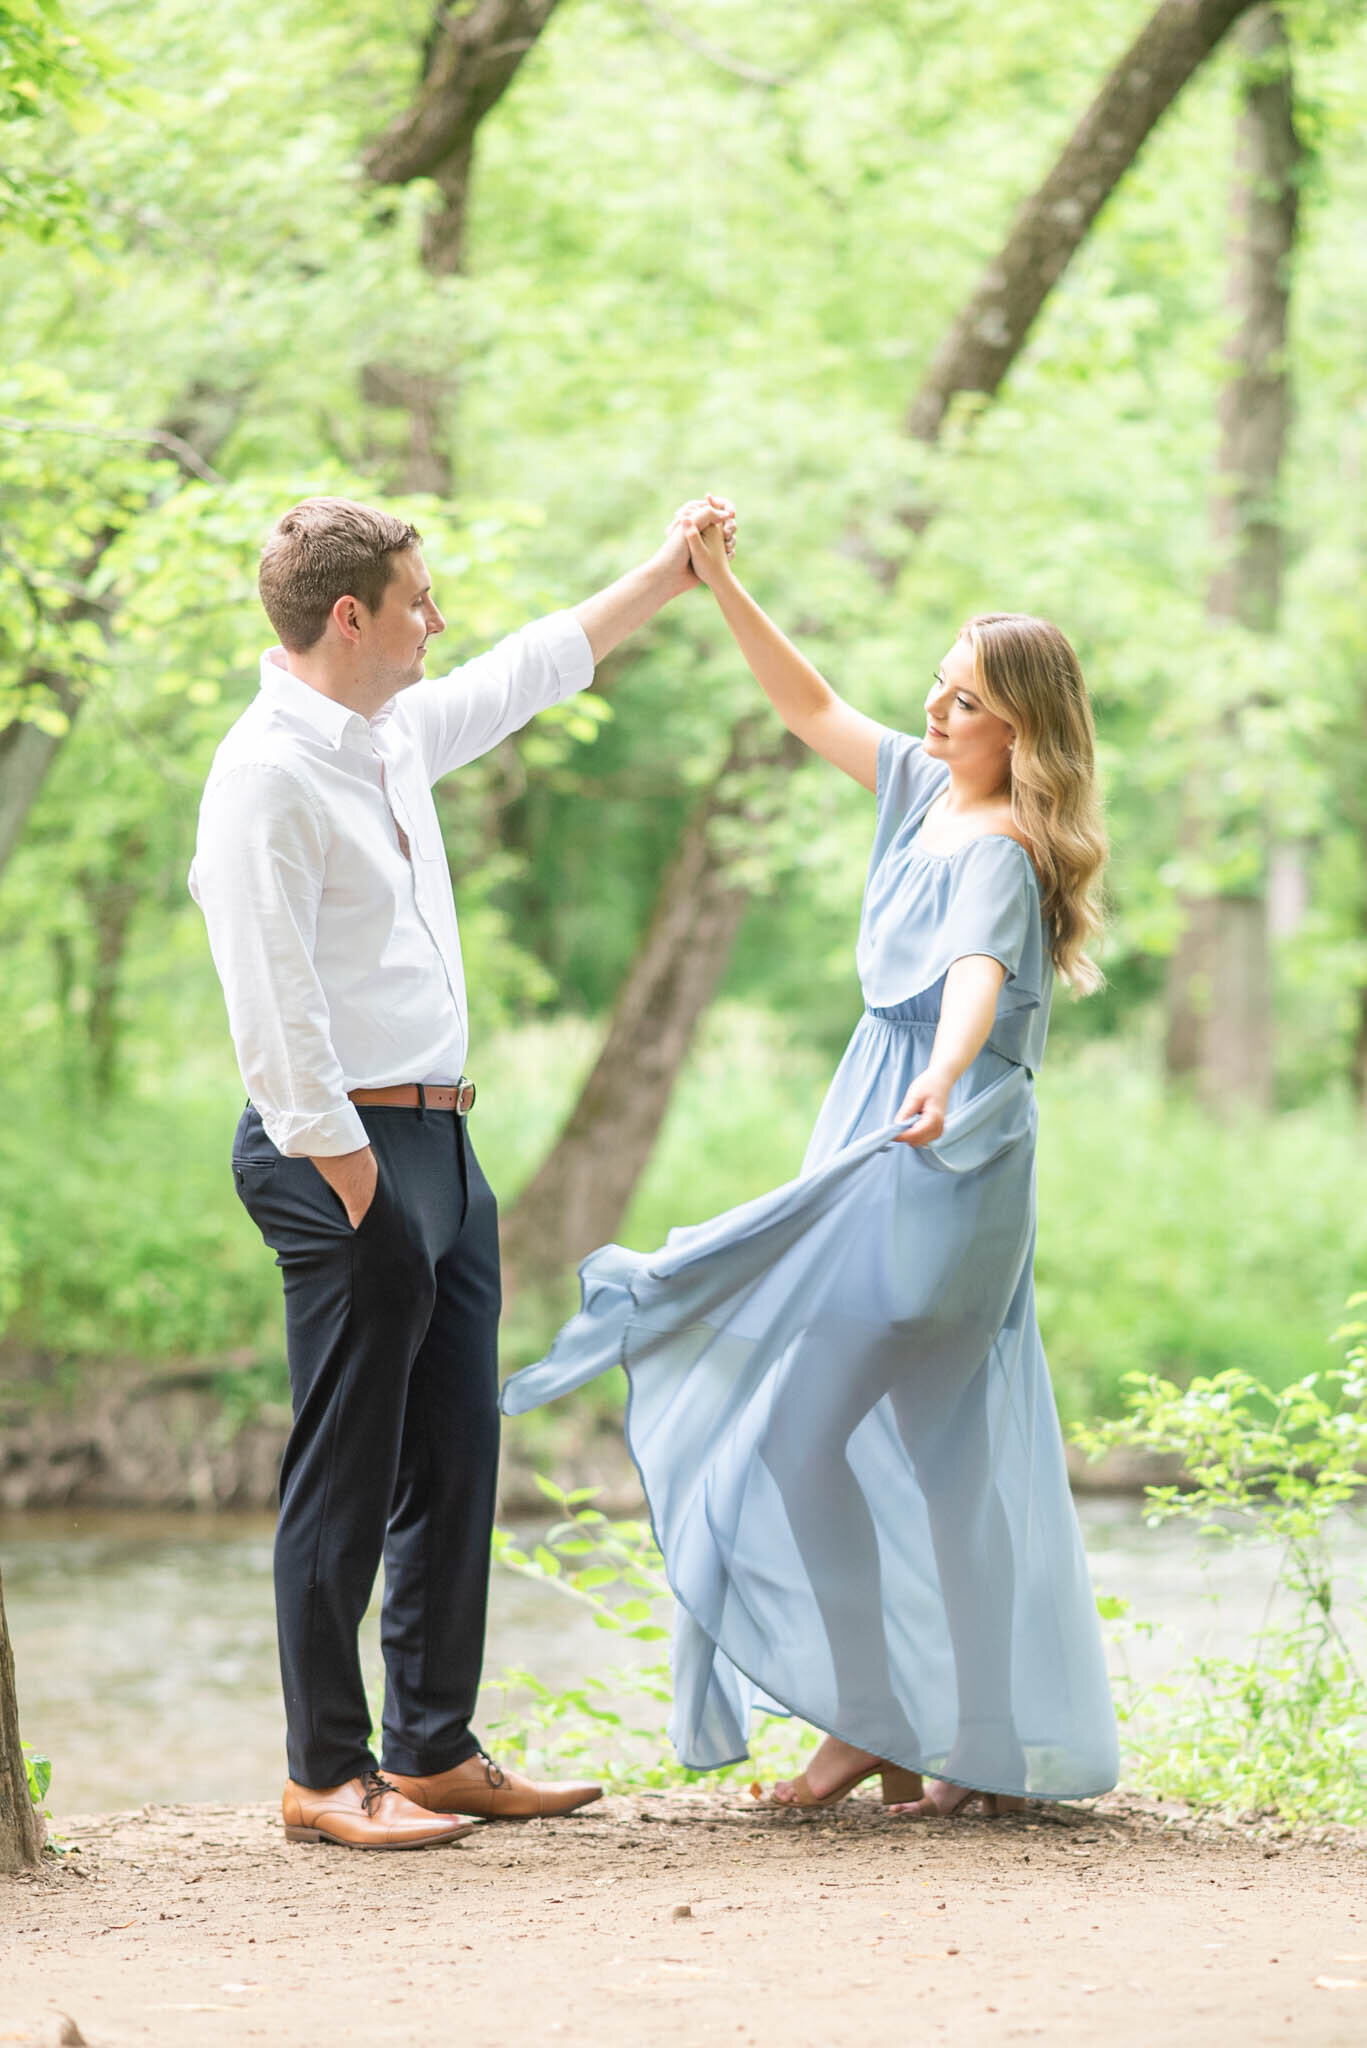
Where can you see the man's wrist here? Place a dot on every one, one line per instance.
(660, 577)
(339, 1165)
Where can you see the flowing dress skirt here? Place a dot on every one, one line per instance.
(842, 1418)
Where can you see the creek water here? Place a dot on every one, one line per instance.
(145, 1645)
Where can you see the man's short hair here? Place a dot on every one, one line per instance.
(323, 549)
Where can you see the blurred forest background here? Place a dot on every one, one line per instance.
(532, 271)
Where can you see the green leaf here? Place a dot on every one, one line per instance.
(39, 1772)
(595, 1575)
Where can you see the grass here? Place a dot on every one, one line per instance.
(1174, 1244)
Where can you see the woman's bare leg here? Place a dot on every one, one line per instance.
(825, 1406)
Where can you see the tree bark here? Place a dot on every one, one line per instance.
(110, 899)
(472, 56)
(21, 1831)
(1219, 994)
(26, 754)
(989, 333)
(646, 1044)
(578, 1196)
(27, 751)
(427, 399)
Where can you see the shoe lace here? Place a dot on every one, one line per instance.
(491, 1770)
(375, 1788)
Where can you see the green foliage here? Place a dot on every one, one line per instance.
(68, 484)
(47, 68)
(1282, 1730)
(128, 1241)
(614, 1722)
(39, 1772)
(1175, 1242)
(233, 240)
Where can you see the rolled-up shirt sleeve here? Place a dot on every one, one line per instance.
(458, 717)
(258, 878)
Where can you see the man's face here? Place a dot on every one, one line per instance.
(394, 638)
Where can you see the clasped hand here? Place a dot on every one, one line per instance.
(701, 535)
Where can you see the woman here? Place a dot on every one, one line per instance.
(839, 1403)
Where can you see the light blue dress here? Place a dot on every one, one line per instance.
(839, 1403)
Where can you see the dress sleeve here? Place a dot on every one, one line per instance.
(993, 907)
(907, 778)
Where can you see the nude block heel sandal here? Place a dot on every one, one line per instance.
(900, 1786)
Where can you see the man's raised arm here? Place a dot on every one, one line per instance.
(610, 615)
(458, 717)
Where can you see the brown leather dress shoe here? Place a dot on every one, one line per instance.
(365, 1813)
(478, 1786)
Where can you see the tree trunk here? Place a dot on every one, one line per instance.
(1219, 994)
(577, 1198)
(471, 58)
(21, 1830)
(989, 333)
(427, 399)
(647, 1039)
(110, 901)
(26, 754)
(1288, 887)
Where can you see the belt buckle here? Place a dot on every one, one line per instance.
(465, 1096)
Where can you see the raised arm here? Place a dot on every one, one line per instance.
(458, 717)
(610, 615)
(800, 694)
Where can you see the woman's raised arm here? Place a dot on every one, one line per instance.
(800, 694)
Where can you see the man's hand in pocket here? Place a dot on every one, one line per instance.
(352, 1176)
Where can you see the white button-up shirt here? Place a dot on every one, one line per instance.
(338, 953)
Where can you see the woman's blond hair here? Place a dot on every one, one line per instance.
(1027, 673)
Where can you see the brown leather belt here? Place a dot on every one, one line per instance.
(417, 1095)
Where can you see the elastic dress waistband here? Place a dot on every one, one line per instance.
(910, 1017)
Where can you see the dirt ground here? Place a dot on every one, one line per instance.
(694, 1918)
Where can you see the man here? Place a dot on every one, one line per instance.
(321, 874)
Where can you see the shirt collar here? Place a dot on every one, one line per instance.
(323, 715)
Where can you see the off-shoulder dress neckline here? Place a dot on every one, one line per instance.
(930, 853)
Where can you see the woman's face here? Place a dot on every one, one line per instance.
(960, 730)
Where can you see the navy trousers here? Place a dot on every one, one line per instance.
(391, 1331)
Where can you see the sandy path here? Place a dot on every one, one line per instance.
(1117, 1923)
